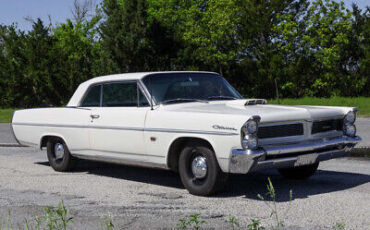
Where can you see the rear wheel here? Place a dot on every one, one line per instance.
(199, 170)
(299, 173)
(60, 159)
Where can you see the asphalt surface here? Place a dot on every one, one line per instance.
(6, 136)
(142, 198)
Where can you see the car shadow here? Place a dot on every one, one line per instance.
(248, 186)
(323, 181)
(133, 173)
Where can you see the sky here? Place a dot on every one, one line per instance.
(14, 11)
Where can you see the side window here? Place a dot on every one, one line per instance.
(92, 98)
(120, 94)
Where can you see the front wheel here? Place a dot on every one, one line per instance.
(60, 159)
(199, 170)
(299, 173)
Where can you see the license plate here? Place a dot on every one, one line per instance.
(307, 159)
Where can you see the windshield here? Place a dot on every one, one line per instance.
(187, 87)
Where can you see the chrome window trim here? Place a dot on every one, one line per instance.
(151, 102)
(139, 85)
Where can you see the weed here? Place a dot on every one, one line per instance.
(255, 225)
(279, 224)
(57, 217)
(192, 221)
(234, 223)
(182, 224)
(108, 222)
(8, 223)
(339, 226)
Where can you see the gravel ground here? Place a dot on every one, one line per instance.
(6, 135)
(141, 198)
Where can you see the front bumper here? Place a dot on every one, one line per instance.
(291, 155)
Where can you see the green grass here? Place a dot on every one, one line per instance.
(6, 115)
(362, 103)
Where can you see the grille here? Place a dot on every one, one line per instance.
(328, 125)
(280, 131)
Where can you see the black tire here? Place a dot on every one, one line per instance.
(213, 181)
(66, 163)
(299, 173)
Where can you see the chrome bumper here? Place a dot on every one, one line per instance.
(292, 155)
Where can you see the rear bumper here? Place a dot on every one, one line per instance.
(292, 155)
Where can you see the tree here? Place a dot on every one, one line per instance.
(133, 41)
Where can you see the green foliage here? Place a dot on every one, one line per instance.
(192, 221)
(234, 223)
(339, 226)
(6, 115)
(255, 225)
(279, 224)
(362, 103)
(108, 222)
(57, 217)
(311, 48)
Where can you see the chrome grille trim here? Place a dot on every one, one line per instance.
(281, 130)
(327, 125)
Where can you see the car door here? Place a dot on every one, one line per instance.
(117, 127)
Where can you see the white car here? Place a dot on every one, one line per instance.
(194, 123)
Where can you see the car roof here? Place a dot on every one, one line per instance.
(134, 76)
(77, 96)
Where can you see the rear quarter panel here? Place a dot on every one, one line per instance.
(70, 124)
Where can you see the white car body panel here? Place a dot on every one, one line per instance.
(142, 135)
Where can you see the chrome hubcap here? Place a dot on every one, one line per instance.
(199, 167)
(59, 151)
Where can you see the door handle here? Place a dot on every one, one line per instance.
(94, 116)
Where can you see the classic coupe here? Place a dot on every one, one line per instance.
(194, 123)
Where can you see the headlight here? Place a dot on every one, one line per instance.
(250, 127)
(350, 118)
(349, 130)
(250, 142)
(249, 133)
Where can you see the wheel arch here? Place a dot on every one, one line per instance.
(176, 147)
(45, 137)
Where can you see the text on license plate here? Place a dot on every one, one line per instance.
(307, 159)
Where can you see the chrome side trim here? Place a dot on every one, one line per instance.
(49, 125)
(115, 152)
(189, 131)
(120, 161)
(129, 128)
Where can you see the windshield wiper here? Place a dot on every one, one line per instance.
(221, 98)
(179, 100)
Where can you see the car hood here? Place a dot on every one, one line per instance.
(267, 112)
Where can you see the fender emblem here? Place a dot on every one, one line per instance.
(223, 127)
